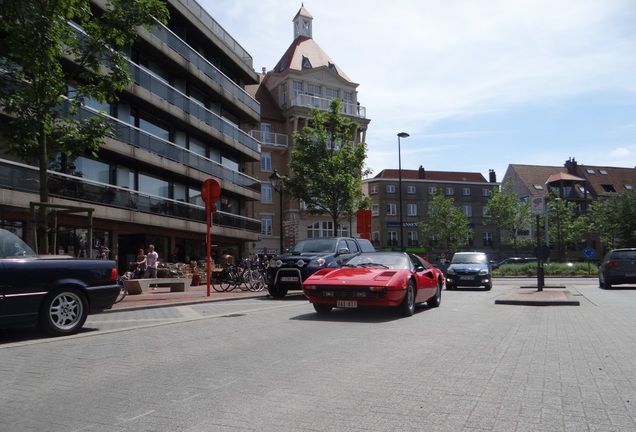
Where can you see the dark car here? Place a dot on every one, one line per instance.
(515, 260)
(469, 269)
(56, 293)
(289, 270)
(617, 267)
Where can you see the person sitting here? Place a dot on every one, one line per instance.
(196, 274)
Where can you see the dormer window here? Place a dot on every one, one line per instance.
(590, 171)
(538, 186)
(306, 63)
(608, 188)
(332, 67)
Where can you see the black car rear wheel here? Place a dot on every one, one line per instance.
(322, 308)
(63, 312)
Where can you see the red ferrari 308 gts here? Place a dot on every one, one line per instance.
(376, 279)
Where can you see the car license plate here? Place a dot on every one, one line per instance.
(466, 277)
(289, 279)
(347, 304)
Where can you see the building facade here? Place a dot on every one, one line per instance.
(470, 192)
(575, 183)
(305, 77)
(186, 118)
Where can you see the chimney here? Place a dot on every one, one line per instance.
(421, 173)
(492, 176)
(571, 166)
(264, 70)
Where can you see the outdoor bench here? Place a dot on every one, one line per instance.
(138, 286)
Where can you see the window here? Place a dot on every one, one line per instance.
(313, 89)
(410, 190)
(608, 188)
(487, 239)
(331, 93)
(411, 209)
(602, 172)
(153, 186)
(266, 132)
(485, 211)
(466, 191)
(347, 102)
(266, 161)
(391, 238)
(590, 171)
(375, 238)
(197, 146)
(390, 189)
(373, 190)
(432, 190)
(629, 187)
(412, 238)
(298, 88)
(449, 191)
(485, 192)
(320, 229)
(94, 170)
(375, 209)
(468, 211)
(470, 239)
(266, 193)
(391, 209)
(538, 186)
(266, 225)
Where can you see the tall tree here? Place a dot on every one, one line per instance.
(567, 227)
(510, 215)
(615, 219)
(55, 54)
(446, 226)
(326, 167)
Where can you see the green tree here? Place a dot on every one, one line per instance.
(615, 219)
(566, 226)
(49, 67)
(510, 215)
(326, 168)
(446, 226)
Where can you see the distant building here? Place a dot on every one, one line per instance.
(185, 118)
(578, 184)
(305, 77)
(470, 192)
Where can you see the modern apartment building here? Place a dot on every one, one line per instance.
(305, 77)
(470, 191)
(186, 118)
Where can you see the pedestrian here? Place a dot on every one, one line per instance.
(140, 264)
(152, 259)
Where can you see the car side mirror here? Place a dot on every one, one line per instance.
(343, 251)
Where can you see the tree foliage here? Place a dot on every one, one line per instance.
(615, 219)
(566, 225)
(446, 227)
(54, 55)
(326, 168)
(510, 215)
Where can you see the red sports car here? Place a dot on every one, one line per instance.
(376, 279)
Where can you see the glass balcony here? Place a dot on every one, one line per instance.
(323, 104)
(25, 178)
(270, 139)
(136, 137)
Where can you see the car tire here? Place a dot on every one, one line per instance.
(63, 312)
(488, 287)
(322, 308)
(449, 287)
(601, 284)
(435, 301)
(407, 307)
(276, 292)
(608, 284)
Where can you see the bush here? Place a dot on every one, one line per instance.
(549, 269)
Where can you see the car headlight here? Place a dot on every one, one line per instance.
(483, 272)
(450, 271)
(319, 262)
(275, 263)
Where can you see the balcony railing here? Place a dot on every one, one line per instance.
(173, 41)
(136, 137)
(210, 23)
(323, 104)
(270, 138)
(25, 178)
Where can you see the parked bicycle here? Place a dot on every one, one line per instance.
(123, 291)
(242, 276)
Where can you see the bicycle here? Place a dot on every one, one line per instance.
(123, 291)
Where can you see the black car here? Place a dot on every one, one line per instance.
(57, 293)
(617, 267)
(289, 270)
(469, 269)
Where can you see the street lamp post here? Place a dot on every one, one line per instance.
(275, 179)
(400, 135)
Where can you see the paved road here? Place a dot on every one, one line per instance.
(266, 365)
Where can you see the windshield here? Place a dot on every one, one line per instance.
(391, 260)
(315, 245)
(469, 258)
(12, 246)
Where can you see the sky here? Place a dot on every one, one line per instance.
(477, 84)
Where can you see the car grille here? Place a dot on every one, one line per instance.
(353, 293)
